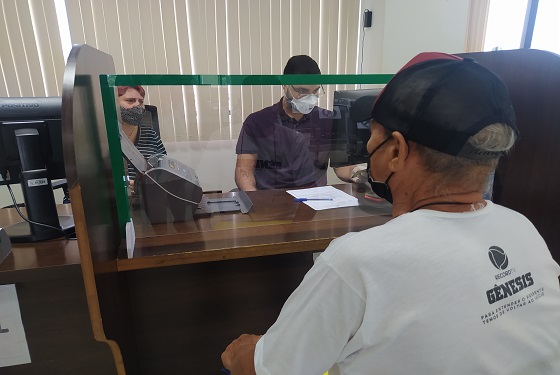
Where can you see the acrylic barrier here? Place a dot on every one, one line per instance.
(205, 140)
(197, 271)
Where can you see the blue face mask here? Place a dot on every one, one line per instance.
(380, 188)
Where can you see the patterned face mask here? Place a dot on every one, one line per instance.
(132, 116)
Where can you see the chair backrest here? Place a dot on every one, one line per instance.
(151, 117)
(526, 179)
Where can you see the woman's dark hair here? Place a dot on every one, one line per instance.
(301, 64)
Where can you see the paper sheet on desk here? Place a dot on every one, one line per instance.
(339, 198)
(13, 344)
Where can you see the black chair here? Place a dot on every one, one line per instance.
(151, 117)
(526, 180)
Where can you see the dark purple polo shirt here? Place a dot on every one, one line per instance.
(289, 153)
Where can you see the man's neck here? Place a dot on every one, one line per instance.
(414, 188)
(459, 201)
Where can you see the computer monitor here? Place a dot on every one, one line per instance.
(31, 154)
(349, 137)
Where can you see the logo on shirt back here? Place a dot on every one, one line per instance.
(512, 289)
(498, 257)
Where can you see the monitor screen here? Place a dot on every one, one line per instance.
(349, 138)
(42, 114)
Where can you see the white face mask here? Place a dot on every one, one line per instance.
(305, 104)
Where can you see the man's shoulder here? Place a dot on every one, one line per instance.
(380, 239)
(265, 113)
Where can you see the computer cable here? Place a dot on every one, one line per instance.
(168, 192)
(66, 235)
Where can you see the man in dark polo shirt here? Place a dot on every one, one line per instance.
(287, 145)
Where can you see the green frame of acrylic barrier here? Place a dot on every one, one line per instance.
(109, 81)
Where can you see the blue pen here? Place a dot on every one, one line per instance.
(311, 199)
(225, 370)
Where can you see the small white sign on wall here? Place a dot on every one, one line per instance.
(13, 344)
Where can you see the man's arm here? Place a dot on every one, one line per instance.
(312, 330)
(238, 357)
(245, 172)
(352, 173)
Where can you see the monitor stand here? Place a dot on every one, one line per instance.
(21, 232)
(38, 195)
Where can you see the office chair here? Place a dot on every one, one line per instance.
(151, 117)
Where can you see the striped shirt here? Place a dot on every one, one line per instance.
(149, 144)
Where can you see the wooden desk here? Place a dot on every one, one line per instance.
(53, 307)
(275, 225)
(231, 274)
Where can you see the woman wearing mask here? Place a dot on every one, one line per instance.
(146, 140)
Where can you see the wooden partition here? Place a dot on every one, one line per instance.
(527, 180)
(88, 172)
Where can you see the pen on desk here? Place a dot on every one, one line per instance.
(311, 199)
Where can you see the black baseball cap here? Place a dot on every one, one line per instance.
(439, 100)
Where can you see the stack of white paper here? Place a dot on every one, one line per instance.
(333, 197)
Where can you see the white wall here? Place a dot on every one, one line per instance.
(400, 30)
(213, 161)
(403, 28)
(373, 38)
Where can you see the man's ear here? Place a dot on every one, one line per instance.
(399, 152)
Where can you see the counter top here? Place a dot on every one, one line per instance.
(275, 225)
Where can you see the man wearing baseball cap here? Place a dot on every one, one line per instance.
(454, 284)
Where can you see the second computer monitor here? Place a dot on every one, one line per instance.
(349, 137)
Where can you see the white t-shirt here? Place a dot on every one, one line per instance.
(426, 293)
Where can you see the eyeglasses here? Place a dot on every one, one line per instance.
(301, 91)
